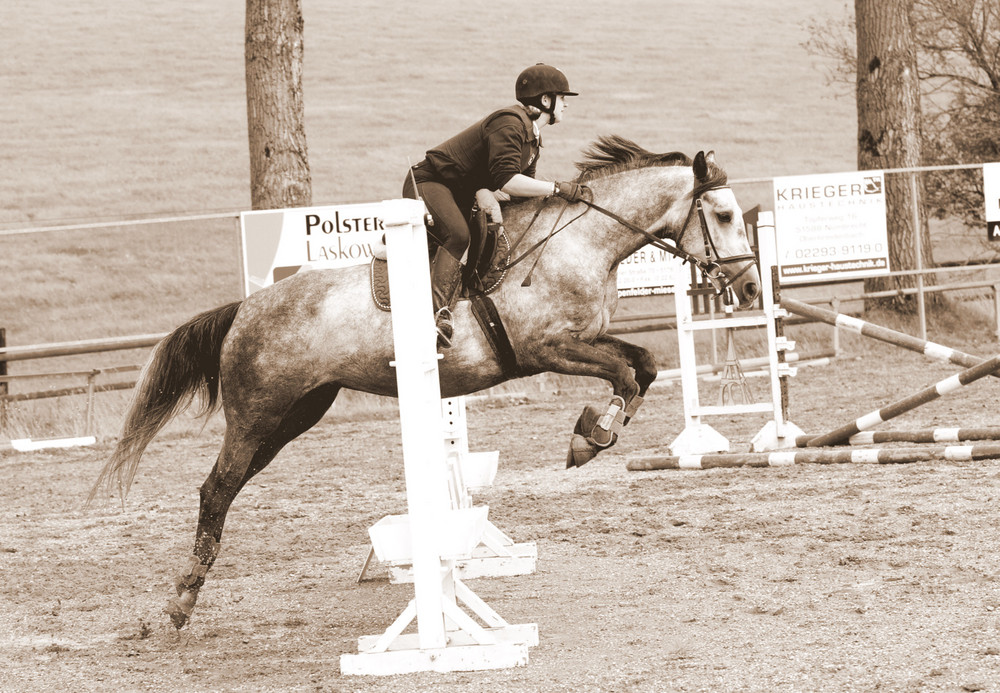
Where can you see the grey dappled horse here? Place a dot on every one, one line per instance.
(281, 355)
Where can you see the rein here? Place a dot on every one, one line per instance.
(711, 269)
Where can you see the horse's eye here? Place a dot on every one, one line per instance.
(725, 217)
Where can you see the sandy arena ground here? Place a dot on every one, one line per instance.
(811, 578)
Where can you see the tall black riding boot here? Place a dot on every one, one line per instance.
(446, 276)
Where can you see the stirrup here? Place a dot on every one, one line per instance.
(445, 328)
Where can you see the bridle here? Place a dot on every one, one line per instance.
(712, 269)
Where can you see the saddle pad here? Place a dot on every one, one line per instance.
(380, 274)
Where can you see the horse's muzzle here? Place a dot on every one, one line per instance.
(751, 292)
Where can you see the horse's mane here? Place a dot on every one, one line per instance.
(613, 154)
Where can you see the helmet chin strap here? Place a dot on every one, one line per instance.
(551, 110)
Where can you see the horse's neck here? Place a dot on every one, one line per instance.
(642, 197)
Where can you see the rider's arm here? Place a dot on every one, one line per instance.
(521, 185)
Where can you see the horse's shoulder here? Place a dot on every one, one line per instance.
(519, 209)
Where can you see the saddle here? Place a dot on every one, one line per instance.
(489, 252)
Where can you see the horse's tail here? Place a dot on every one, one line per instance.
(183, 364)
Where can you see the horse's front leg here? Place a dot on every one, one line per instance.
(598, 428)
(641, 361)
(609, 359)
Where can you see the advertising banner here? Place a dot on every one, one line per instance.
(647, 272)
(279, 243)
(991, 195)
(830, 226)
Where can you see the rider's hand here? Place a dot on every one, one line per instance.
(571, 191)
(488, 202)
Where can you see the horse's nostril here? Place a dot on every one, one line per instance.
(751, 291)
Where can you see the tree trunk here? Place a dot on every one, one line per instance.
(889, 136)
(279, 163)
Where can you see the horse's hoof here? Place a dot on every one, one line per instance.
(588, 419)
(179, 610)
(581, 451)
(175, 610)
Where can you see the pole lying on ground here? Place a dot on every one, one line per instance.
(936, 435)
(904, 405)
(884, 334)
(784, 458)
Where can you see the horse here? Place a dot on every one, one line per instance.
(279, 357)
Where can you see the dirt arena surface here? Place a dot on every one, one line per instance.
(810, 578)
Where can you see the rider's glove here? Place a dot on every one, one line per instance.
(571, 191)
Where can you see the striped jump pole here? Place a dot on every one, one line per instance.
(937, 435)
(904, 405)
(785, 458)
(884, 334)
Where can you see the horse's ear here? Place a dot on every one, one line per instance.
(710, 157)
(700, 166)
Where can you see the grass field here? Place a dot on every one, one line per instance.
(141, 111)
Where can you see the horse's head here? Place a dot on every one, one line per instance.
(714, 232)
(709, 231)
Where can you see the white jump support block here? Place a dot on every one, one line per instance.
(29, 445)
(497, 555)
(435, 646)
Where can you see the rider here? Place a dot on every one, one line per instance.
(499, 153)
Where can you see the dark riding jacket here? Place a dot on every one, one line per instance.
(487, 154)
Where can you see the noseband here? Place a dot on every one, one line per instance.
(712, 269)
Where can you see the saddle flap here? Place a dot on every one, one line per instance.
(489, 250)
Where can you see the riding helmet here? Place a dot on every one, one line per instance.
(541, 79)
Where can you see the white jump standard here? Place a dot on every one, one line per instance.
(434, 533)
(497, 554)
(856, 432)
(698, 436)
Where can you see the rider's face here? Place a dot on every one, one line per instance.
(560, 106)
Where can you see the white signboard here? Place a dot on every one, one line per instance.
(991, 194)
(647, 272)
(279, 243)
(831, 226)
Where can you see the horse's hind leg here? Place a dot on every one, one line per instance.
(244, 453)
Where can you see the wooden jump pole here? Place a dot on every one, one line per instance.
(784, 458)
(884, 334)
(937, 435)
(904, 405)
